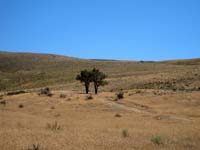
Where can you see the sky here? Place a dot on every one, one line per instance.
(103, 29)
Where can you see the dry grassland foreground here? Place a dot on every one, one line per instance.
(142, 120)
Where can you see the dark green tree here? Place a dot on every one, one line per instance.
(98, 79)
(85, 77)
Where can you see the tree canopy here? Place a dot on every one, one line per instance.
(95, 76)
(98, 79)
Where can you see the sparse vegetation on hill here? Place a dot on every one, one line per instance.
(26, 71)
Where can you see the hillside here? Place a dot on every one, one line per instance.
(27, 70)
(195, 61)
(159, 107)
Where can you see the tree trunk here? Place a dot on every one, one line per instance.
(86, 88)
(96, 89)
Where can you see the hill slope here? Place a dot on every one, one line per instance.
(27, 70)
(195, 61)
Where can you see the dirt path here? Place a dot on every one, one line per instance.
(123, 107)
(143, 111)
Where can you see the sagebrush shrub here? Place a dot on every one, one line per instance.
(120, 95)
(3, 102)
(21, 106)
(62, 95)
(117, 115)
(46, 91)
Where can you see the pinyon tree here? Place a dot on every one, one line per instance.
(98, 79)
(85, 77)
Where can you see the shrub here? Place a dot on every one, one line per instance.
(89, 97)
(120, 95)
(117, 115)
(174, 89)
(3, 102)
(138, 91)
(156, 139)
(21, 106)
(52, 107)
(125, 133)
(62, 95)
(46, 91)
(130, 94)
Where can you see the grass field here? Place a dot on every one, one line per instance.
(26, 71)
(170, 120)
(160, 108)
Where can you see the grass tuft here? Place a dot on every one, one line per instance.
(157, 139)
(55, 126)
(34, 147)
(125, 133)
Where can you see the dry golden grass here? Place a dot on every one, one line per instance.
(27, 71)
(160, 108)
(92, 124)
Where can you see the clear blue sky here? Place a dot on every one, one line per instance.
(112, 29)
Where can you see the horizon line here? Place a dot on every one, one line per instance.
(97, 59)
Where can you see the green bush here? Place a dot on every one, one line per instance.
(156, 140)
